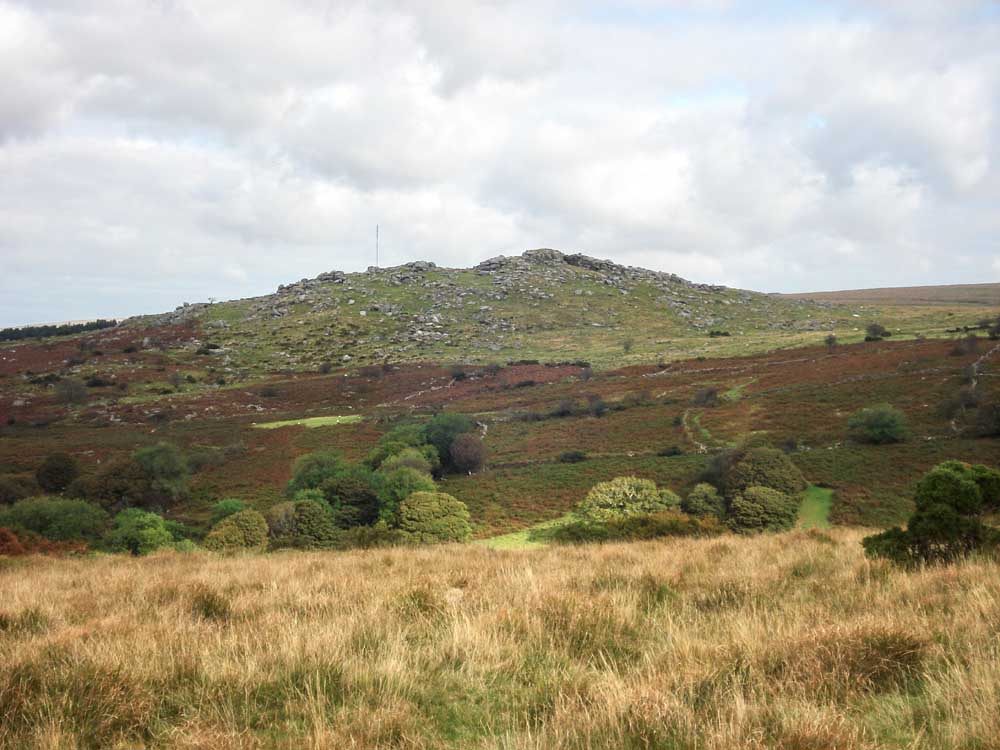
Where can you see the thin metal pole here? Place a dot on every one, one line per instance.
(376, 246)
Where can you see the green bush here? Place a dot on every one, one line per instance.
(392, 488)
(281, 522)
(310, 471)
(950, 500)
(622, 496)
(225, 508)
(758, 509)
(400, 439)
(704, 501)
(572, 457)
(442, 430)
(137, 532)
(630, 528)
(246, 530)
(55, 518)
(409, 458)
(313, 526)
(166, 470)
(763, 467)
(878, 425)
(352, 497)
(670, 499)
(14, 488)
(121, 483)
(57, 472)
(370, 537)
(432, 517)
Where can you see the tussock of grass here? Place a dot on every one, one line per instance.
(711, 644)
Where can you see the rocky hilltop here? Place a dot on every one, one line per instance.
(540, 302)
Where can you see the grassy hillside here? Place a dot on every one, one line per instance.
(945, 294)
(781, 642)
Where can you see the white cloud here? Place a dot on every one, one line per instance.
(180, 149)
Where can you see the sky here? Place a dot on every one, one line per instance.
(154, 152)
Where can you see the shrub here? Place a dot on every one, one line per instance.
(706, 397)
(876, 332)
(703, 501)
(121, 483)
(313, 526)
(622, 496)
(758, 509)
(71, 391)
(572, 457)
(56, 472)
(830, 341)
(432, 517)
(201, 458)
(946, 524)
(468, 453)
(987, 423)
(246, 530)
(670, 499)
(878, 425)
(442, 430)
(166, 470)
(630, 528)
(763, 467)
(55, 518)
(137, 532)
(310, 471)
(10, 545)
(352, 497)
(392, 488)
(281, 521)
(225, 508)
(13, 488)
(596, 406)
(408, 458)
(369, 537)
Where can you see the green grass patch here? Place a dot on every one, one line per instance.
(815, 510)
(310, 422)
(522, 539)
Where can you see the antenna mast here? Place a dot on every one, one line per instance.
(376, 246)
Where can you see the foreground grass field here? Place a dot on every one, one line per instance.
(792, 641)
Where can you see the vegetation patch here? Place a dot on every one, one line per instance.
(310, 422)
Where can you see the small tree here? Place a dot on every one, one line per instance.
(167, 471)
(246, 530)
(313, 526)
(310, 471)
(620, 497)
(137, 532)
(394, 487)
(757, 509)
(433, 517)
(225, 508)
(763, 467)
(947, 523)
(468, 453)
(831, 341)
(352, 497)
(56, 472)
(876, 332)
(704, 500)
(442, 430)
(408, 458)
(878, 425)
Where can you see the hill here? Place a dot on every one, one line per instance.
(787, 641)
(542, 304)
(945, 294)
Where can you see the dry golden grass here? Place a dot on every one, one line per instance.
(793, 642)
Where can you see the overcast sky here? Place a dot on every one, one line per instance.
(160, 151)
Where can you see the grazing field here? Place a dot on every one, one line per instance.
(308, 422)
(782, 642)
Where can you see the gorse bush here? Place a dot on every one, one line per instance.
(630, 528)
(622, 496)
(137, 532)
(433, 517)
(225, 508)
(55, 518)
(56, 473)
(762, 467)
(950, 501)
(756, 509)
(246, 530)
(313, 528)
(704, 500)
(878, 425)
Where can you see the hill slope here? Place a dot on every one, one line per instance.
(540, 304)
(945, 294)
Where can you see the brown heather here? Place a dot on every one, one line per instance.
(791, 642)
